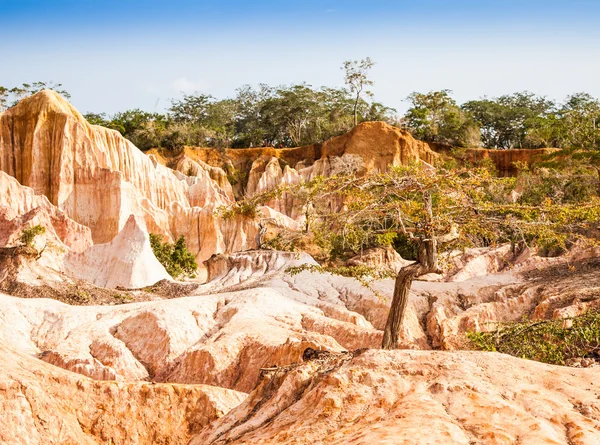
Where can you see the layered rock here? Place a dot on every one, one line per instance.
(253, 314)
(99, 179)
(42, 404)
(21, 207)
(416, 397)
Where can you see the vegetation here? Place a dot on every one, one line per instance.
(356, 78)
(427, 212)
(283, 116)
(296, 115)
(548, 341)
(435, 117)
(29, 234)
(519, 120)
(176, 258)
(11, 96)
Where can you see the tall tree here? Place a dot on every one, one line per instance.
(192, 108)
(581, 114)
(356, 77)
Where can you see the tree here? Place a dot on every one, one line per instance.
(4, 95)
(25, 90)
(435, 117)
(504, 121)
(176, 258)
(436, 211)
(581, 115)
(192, 108)
(356, 79)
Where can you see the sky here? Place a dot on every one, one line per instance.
(113, 55)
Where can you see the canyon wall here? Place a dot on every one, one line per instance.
(99, 179)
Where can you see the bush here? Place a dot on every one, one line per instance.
(548, 341)
(176, 258)
(28, 235)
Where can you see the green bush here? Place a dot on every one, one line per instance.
(548, 341)
(28, 235)
(176, 258)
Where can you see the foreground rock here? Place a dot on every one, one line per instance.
(42, 404)
(221, 338)
(253, 314)
(416, 397)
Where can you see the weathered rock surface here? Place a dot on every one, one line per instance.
(127, 261)
(21, 207)
(83, 182)
(42, 404)
(216, 338)
(382, 258)
(99, 179)
(416, 397)
(253, 314)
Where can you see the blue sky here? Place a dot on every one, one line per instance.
(113, 55)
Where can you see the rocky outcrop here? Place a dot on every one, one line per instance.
(415, 397)
(98, 179)
(380, 258)
(127, 261)
(219, 338)
(254, 314)
(42, 404)
(21, 207)
(506, 161)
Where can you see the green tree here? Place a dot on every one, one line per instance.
(356, 77)
(436, 211)
(176, 258)
(192, 108)
(581, 115)
(505, 121)
(435, 117)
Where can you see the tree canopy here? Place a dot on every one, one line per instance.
(301, 114)
(436, 211)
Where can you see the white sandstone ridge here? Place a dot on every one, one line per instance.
(21, 207)
(127, 261)
(66, 250)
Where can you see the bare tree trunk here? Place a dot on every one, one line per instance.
(404, 279)
(356, 109)
(426, 263)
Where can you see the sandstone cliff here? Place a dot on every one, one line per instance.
(99, 179)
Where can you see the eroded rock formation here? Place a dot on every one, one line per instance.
(416, 397)
(128, 369)
(99, 179)
(42, 404)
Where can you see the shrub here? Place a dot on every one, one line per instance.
(176, 258)
(29, 234)
(548, 341)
